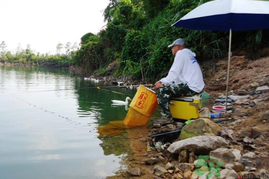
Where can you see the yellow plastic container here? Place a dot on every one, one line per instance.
(185, 108)
(141, 108)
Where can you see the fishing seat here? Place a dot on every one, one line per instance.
(185, 108)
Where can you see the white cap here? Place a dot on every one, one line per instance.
(177, 42)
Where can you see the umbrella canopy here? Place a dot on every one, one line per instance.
(223, 15)
(227, 15)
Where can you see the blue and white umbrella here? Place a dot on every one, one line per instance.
(227, 15)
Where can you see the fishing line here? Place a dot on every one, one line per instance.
(51, 112)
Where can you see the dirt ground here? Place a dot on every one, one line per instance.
(245, 76)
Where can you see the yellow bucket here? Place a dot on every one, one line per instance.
(141, 108)
(185, 108)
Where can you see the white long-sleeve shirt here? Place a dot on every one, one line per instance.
(186, 70)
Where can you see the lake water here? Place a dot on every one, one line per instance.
(48, 126)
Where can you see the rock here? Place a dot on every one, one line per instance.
(134, 171)
(249, 155)
(169, 166)
(255, 132)
(237, 147)
(263, 173)
(228, 174)
(236, 153)
(151, 161)
(183, 156)
(177, 176)
(248, 140)
(236, 166)
(200, 127)
(187, 174)
(186, 167)
(225, 132)
(158, 170)
(222, 154)
(242, 92)
(236, 98)
(204, 176)
(263, 89)
(192, 157)
(194, 176)
(199, 143)
(247, 175)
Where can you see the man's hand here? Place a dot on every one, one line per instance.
(158, 85)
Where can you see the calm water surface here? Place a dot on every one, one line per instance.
(48, 122)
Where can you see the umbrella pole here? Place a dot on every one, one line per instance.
(228, 67)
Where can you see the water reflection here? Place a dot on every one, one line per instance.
(48, 126)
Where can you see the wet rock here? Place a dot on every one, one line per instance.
(199, 143)
(228, 174)
(158, 170)
(134, 171)
(200, 127)
(222, 154)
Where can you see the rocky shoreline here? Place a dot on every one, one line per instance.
(232, 146)
(236, 147)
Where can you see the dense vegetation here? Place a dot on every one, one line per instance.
(28, 57)
(134, 42)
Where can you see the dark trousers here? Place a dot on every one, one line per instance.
(166, 93)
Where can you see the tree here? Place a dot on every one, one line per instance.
(18, 49)
(74, 47)
(68, 48)
(59, 48)
(3, 47)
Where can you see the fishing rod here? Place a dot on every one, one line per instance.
(116, 92)
(92, 87)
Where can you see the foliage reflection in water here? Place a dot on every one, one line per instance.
(48, 126)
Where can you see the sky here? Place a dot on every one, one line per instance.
(45, 23)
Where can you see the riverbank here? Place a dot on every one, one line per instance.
(246, 131)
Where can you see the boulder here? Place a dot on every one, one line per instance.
(200, 127)
(199, 143)
(224, 155)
